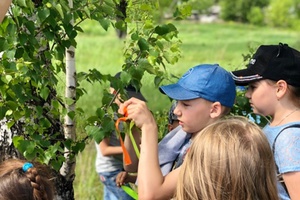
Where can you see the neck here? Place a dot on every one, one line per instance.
(287, 117)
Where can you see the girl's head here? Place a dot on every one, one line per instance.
(23, 180)
(229, 159)
(272, 74)
(264, 96)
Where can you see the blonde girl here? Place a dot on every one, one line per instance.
(228, 160)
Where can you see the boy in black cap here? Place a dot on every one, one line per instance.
(172, 118)
(204, 94)
(109, 160)
(273, 79)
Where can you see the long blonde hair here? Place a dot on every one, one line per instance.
(230, 159)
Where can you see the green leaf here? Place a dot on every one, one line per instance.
(134, 36)
(104, 23)
(72, 114)
(79, 146)
(143, 44)
(120, 25)
(157, 80)
(161, 30)
(59, 10)
(95, 132)
(44, 123)
(44, 93)
(3, 44)
(10, 124)
(43, 14)
(21, 3)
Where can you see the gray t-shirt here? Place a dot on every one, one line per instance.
(109, 163)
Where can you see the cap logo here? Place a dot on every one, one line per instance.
(252, 61)
(188, 73)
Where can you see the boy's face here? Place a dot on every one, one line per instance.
(194, 115)
(262, 97)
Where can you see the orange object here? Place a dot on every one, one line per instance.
(127, 158)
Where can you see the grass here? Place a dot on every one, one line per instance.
(201, 43)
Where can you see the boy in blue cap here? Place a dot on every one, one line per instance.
(204, 94)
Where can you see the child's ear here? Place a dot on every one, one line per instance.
(281, 88)
(216, 110)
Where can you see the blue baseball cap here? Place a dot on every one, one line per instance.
(207, 81)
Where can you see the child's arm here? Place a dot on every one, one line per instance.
(4, 5)
(133, 167)
(108, 150)
(292, 182)
(151, 183)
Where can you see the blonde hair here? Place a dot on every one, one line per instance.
(32, 184)
(230, 159)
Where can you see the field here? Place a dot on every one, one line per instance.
(201, 43)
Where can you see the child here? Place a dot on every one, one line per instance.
(124, 177)
(23, 180)
(273, 76)
(109, 162)
(229, 159)
(204, 94)
(172, 118)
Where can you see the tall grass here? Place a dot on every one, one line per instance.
(201, 43)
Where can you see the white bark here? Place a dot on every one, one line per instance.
(68, 168)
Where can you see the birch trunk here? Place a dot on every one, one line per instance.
(68, 168)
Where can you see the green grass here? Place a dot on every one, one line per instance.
(201, 43)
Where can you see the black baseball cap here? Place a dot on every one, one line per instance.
(274, 62)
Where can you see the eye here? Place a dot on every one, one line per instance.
(251, 87)
(185, 103)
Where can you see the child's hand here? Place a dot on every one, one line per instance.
(137, 111)
(121, 178)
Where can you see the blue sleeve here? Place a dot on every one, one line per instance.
(287, 150)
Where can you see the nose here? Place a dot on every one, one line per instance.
(248, 94)
(177, 110)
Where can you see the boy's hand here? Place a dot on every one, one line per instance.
(138, 112)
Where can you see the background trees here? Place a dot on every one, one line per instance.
(34, 39)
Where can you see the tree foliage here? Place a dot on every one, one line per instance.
(240, 9)
(284, 13)
(33, 40)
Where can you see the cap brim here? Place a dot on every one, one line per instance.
(135, 94)
(244, 77)
(175, 91)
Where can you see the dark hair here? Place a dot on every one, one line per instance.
(31, 184)
(295, 94)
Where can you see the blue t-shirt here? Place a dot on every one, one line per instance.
(286, 152)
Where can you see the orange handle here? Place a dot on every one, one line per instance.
(127, 158)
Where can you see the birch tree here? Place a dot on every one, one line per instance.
(38, 42)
